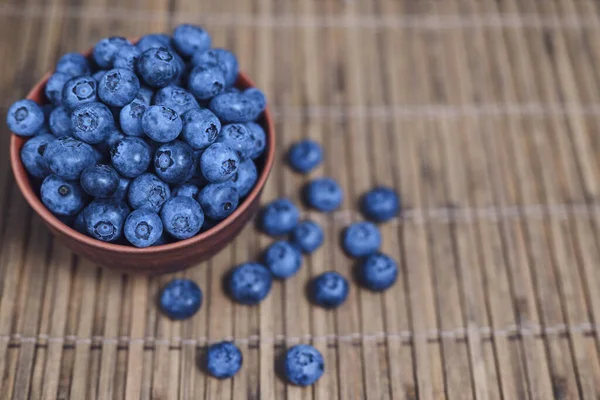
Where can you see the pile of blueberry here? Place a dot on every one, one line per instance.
(143, 143)
(251, 282)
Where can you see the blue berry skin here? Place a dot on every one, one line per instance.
(161, 124)
(308, 236)
(182, 217)
(305, 155)
(25, 118)
(98, 75)
(131, 118)
(187, 190)
(60, 122)
(380, 204)
(200, 128)
(99, 180)
(223, 360)
(145, 95)
(259, 139)
(234, 107)
(218, 200)
(361, 239)
(304, 365)
(54, 87)
(114, 137)
(148, 191)
(246, 177)
(158, 67)
(206, 81)
(163, 239)
(256, 96)
(238, 137)
(378, 272)
(92, 122)
(105, 218)
(329, 290)
(68, 157)
(131, 157)
(219, 163)
(122, 189)
(190, 39)
(106, 49)
(118, 87)
(324, 194)
(126, 57)
(79, 223)
(32, 155)
(79, 90)
(174, 162)
(225, 59)
(143, 228)
(153, 41)
(73, 64)
(180, 299)
(250, 283)
(63, 198)
(175, 98)
(283, 259)
(279, 217)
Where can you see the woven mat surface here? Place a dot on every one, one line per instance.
(483, 114)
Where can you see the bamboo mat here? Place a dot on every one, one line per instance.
(483, 114)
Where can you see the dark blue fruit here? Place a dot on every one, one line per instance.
(79, 90)
(54, 87)
(380, 204)
(308, 236)
(324, 194)
(60, 122)
(305, 155)
(176, 98)
(126, 57)
(180, 299)
(200, 128)
(218, 200)
(246, 177)
(225, 59)
(100, 180)
(32, 155)
(182, 217)
(237, 137)
(249, 283)
(259, 139)
(105, 218)
(131, 118)
(143, 228)
(25, 117)
(223, 360)
(206, 81)
(68, 157)
(190, 39)
(92, 122)
(361, 239)
(219, 163)
(73, 64)
(187, 189)
(377, 272)
(304, 365)
(233, 107)
(161, 124)
(131, 157)
(63, 198)
(118, 87)
(105, 51)
(148, 191)
(329, 290)
(283, 259)
(174, 162)
(279, 217)
(158, 67)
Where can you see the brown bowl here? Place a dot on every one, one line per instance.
(159, 259)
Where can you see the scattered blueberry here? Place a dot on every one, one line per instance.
(100, 180)
(73, 64)
(92, 122)
(105, 218)
(63, 198)
(174, 162)
(176, 98)
(123, 189)
(148, 191)
(279, 217)
(225, 59)
(304, 365)
(32, 155)
(25, 117)
(218, 200)
(324, 194)
(200, 128)
(126, 57)
(246, 177)
(223, 360)
(249, 283)
(190, 39)
(259, 139)
(106, 49)
(206, 81)
(131, 118)
(68, 157)
(153, 41)
(237, 137)
(143, 228)
(329, 290)
(60, 122)
(187, 189)
(161, 124)
(54, 87)
(118, 87)
(131, 157)
(182, 217)
(233, 107)
(361, 239)
(308, 236)
(305, 155)
(158, 67)
(283, 259)
(377, 272)
(180, 299)
(219, 163)
(380, 204)
(79, 90)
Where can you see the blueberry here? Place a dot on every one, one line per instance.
(145, 95)
(126, 57)
(78, 91)
(79, 223)
(182, 217)
(189, 39)
(60, 122)
(105, 218)
(174, 162)
(324, 194)
(329, 290)
(223, 360)
(163, 239)
(200, 128)
(32, 155)
(153, 41)
(283, 259)
(63, 198)
(92, 122)
(257, 97)
(187, 190)
(148, 191)
(249, 283)
(308, 236)
(225, 59)
(131, 157)
(304, 365)
(380, 204)
(68, 157)
(106, 49)
(377, 272)
(238, 137)
(131, 118)
(100, 180)
(176, 98)
(143, 228)
(305, 155)
(180, 299)
(54, 87)
(161, 124)
(246, 177)
(118, 87)
(279, 217)
(122, 189)
(73, 64)
(219, 163)
(206, 81)
(25, 118)
(233, 107)
(114, 137)
(98, 75)
(361, 239)
(218, 200)
(158, 67)
(259, 139)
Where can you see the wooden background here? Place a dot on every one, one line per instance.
(483, 114)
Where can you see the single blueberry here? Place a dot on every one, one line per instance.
(225, 59)
(60, 122)
(223, 360)
(259, 139)
(158, 67)
(200, 128)
(153, 41)
(279, 217)
(190, 39)
(218, 200)
(283, 259)
(304, 365)
(32, 155)
(63, 198)
(68, 157)
(79, 90)
(54, 87)
(161, 124)
(131, 157)
(377, 272)
(143, 228)
(106, 49)
(25, 118)
(308, 236)
(257, 97)
(238, 137)
(180, 299)
(361, 239)
(131, 118)
(92, 122)
(249, 283)
(233, 107)
(329, 290)
(123, 189)
(100, 180)
(174, 162)
(219, 163)
(305, 155)
(126, 57)
(324, 194)
(105, 218)
(246, 177)
(145, 95)
(206, 81)
(148, 191)
(380, 204)
(187, 189)
(118, 87)
(73, 64)
(182, 217)
(176, 98)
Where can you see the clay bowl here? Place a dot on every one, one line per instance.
(160, 259)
